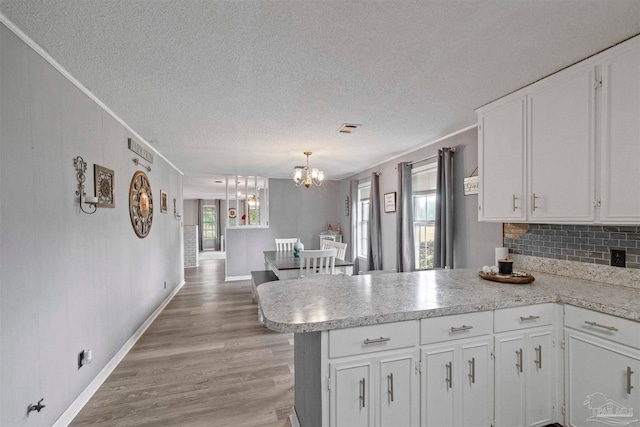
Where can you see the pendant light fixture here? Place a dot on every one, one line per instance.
(312, 176)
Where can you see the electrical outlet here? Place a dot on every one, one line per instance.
(618, 258)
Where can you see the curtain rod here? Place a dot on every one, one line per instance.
(432, 157)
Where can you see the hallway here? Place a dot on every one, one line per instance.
(205, 361)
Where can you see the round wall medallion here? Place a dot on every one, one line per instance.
(140, 204)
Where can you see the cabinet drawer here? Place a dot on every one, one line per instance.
(445, 328)
(369, 339)
(528, 316)
(614, 328)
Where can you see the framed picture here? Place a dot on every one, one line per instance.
(103, 186)
(163, 201)
(232, 212)
(390, 202)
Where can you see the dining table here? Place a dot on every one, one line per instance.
(286, 266)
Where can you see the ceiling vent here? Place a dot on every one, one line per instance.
(348, 128)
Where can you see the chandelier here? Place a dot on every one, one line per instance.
(312, 176)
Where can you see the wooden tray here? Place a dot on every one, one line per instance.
(519, 280)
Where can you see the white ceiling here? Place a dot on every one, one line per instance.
(244, 87)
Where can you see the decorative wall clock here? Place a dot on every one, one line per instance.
(103, 183)
(140, 204)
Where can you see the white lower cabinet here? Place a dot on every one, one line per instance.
(381, 391)
(525, 375)
(351, 394)
(603, 383)
(602, 376)
(398, 391)
(494, 368)
(457, 383)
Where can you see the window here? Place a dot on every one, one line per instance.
(424, 214)
(209, 222)
(364, 191)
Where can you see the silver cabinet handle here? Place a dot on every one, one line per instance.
(377, 340)
(519, 360)
(472, 370)
(362, 392)
(629, 386)
(533, 202)
(461, 328)
(598, 325)
(513, 203)
(538, 361)
(529, 318)
(390, 385)
(449, 375)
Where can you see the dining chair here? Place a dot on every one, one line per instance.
(328, 237)
(314, 262)
(341, 247)
(285, 244)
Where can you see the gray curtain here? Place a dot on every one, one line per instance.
(353, 211)
(374, 251)
(404, 219)
(218, 228)
(200, 205)
(443, 244)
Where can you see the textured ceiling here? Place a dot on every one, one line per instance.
(244, 87)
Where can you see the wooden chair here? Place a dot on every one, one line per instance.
(341, 247)
(285, 244)
(317, 262)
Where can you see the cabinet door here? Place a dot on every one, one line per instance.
(540, 365)
(509, 377)
(398, 392)
(561, 149)
(476, 384)
(501, 163)
(438, 409)
(350, 394)
(602, 382)
(620, 138)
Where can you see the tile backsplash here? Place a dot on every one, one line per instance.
(581, 243)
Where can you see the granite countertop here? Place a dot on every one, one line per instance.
(333, 302)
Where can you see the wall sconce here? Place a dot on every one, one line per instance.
(176, 215)
(81, 169)
(137, 162)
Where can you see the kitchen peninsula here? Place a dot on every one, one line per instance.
(364, 346)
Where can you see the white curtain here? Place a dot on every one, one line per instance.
(404, 223)
(443, 242)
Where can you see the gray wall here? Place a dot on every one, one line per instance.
(474, 241)
(293, 212)
(190, 216)
(68, 281)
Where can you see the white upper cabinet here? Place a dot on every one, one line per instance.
(561, 149)
(569, 144)
(501, 162)
(620, 137)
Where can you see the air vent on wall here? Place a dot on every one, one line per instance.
(348, 128)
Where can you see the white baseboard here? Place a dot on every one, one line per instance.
(293, 418)
(76, 406)
(236, 278)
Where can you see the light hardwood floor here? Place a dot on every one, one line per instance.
(205, 361)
